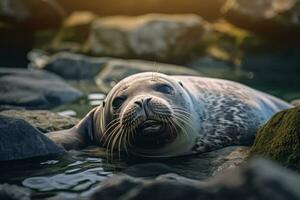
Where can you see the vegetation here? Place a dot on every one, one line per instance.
(279, 138)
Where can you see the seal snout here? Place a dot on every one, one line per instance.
(144, 103)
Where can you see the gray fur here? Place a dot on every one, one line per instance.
(231, 112)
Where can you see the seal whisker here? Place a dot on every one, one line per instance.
(184, 121)
(112, 134)
(114, 141)
(178, 122)
(107, 135)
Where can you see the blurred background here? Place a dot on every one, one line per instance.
(254, 42)
(59, 58)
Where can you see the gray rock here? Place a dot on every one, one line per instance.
(13, 192)
(258, 179)
(172, 38)
(68, 65)
(19, 140)
(117, 69)
(44, 121)
(273, 18)
(34, 89)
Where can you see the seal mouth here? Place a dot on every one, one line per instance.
(153, 134)
(150, 128)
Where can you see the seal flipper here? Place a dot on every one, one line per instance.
(79, 136)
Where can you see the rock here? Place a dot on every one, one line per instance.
(172, 38)
(200, 166)
(210, 10)
(279, 138)
(259, 179)
(19, 140)
(16, 42)
(33, 14)
(68, 65)
(34, 89)
(44, 121)
(117, 69)
(105, 70)
(272, 18)
(13, 192)
(296, 102)
(76, 28)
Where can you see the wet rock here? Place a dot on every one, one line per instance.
(200, 166)
(259, 179)
(279, 138)
(296, 102)
(13, 192)
(34, 89)
(32, 13)
(19, 140)
(117, 69)
(273, 18)
(68, 65)
(44, 121)
(171, 38)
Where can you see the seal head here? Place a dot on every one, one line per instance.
(146, 114)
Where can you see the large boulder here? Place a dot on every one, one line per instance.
(279, 138)
(117, 69)
(273, 18)
(34, 89)
(19, 140)
(68, 65)
(75, 31)
(172, 38)
(259, 179)
(45, 121)
(34, 14)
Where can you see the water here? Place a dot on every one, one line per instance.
(79, 173)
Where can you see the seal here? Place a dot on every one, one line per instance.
(155, 115)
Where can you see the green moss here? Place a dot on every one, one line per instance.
(279, 138)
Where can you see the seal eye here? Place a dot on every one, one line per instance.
(117, 102)
(180, 83)
(164, 88)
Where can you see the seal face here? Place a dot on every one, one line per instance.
(146, 114)
(155, 115)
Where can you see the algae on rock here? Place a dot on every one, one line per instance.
(279, 138)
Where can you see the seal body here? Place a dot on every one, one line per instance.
(155, 115)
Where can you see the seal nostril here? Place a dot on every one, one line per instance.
(139, 103)
(147, 100)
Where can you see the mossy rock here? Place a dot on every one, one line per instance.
(279, 138)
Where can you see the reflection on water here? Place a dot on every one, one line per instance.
(80, 172)
(70, 175)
